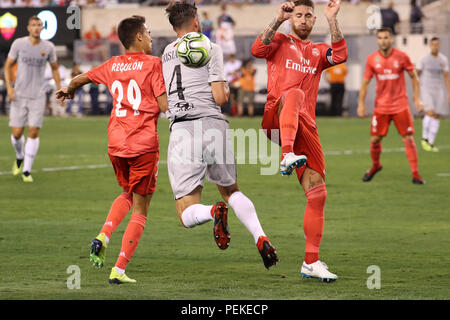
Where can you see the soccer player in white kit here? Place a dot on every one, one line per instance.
(28, 96)
(198, 131)
(433, 71)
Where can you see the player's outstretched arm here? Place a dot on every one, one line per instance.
(416, 90)
(361, 111)
(76, 83)
(331, 11)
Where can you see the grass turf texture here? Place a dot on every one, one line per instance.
(402, 228)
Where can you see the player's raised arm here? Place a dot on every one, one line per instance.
(261, 48)
(77, 82)
(416, 90)
(339, 52)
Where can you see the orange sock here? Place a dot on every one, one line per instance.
(411, 154)
(118, 211)
(375, 153)
(313, 222)
(292, 102)
(130, 239)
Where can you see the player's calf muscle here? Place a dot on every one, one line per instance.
(311, 179)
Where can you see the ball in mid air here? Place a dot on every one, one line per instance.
(194, 50)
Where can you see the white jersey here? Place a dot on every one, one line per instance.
(432, 69)
(189, 89)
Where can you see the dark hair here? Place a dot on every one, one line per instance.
(180, 13)
(33, 18)
(307, 3)
(435, 39)
(385, 29)
(128, 28)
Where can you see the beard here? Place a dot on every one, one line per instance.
(302, 33)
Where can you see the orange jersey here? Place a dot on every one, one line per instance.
(134, 80)
(292, 63)
(391, 88)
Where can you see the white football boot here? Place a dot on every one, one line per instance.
(318, 270)
(291, 162)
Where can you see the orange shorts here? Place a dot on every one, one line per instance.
(306, 142)
(138, 174)
(402, 120)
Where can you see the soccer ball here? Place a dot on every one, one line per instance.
(194, 50)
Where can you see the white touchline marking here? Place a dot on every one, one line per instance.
(443, 174)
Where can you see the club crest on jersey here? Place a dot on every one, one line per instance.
(42, 53)
(396, 65)
(315, 52)
(378, 66)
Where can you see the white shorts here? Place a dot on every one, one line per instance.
(198, 148)
(435, 100)
(27, 112)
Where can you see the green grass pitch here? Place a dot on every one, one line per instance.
(402, 228)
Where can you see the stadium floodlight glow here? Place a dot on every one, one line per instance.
(50, 24)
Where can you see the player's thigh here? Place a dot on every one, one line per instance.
(379, 124)
(36, 112)
(185, 163)
(218, 153)
(121, 170)
(143, 173)
(404, 122)
(18, 113)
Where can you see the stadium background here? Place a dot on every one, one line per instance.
(353, 18)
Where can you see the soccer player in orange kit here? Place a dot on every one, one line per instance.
(136, 83)
(391, 104)
(295, 65)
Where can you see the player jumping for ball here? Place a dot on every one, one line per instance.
(294, 65)
(391, 104)
(136, 83)
(195, 96)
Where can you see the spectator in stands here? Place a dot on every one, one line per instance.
(207, 25)
(415, 18)
(246, 93)
(225, 17)
(336, 78)
(231, 68)
(225, 39)
(390, 17)
(94, 49)
(79, 94)
(116, 47)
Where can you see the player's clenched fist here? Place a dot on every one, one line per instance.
(285, 11)
(332, 8)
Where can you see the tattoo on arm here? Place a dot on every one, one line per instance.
(336, 34)
(267, 35)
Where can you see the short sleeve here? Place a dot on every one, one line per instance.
(157, 79)
(368, 73)
(407, 64)
(52, 56)
(215, 66)
(14, 51)
(99, 74)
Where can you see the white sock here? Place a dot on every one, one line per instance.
(31, 149)
(119, 270)
(434, 128)
(196, 214)
(18, 146)
(246, 213)
(426, 126)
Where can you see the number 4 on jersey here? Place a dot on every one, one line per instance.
(180, 89)
(133, 95)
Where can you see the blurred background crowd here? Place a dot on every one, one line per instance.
(232, 25)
